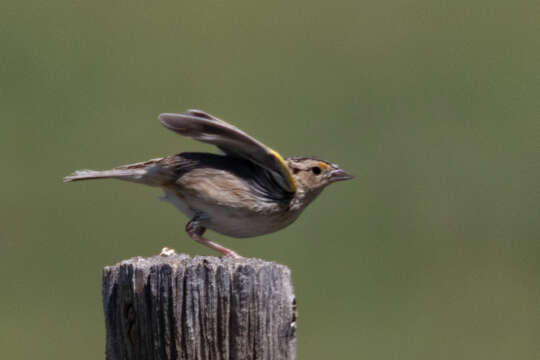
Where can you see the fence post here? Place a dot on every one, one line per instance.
(172, 306)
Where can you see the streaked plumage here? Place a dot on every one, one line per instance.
(249, 191)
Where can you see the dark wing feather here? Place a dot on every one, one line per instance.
(233, 141)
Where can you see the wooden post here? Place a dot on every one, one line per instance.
(172, 306)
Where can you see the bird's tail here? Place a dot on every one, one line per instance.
(148, 172)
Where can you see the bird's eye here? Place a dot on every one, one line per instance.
(316, 170)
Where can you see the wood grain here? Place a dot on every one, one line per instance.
(177, 307)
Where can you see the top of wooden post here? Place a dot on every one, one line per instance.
(170, 257)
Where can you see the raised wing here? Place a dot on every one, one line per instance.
(233, 141)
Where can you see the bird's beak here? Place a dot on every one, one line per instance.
(340, 175)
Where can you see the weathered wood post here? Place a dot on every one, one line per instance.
(172, 306)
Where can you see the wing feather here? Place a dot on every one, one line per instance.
(233, 141)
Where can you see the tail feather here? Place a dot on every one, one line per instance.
(128, 174)
(147, 172)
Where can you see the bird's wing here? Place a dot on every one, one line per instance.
(233, 141)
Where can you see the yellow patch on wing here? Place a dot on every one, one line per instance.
(325, 166)
(285, 169)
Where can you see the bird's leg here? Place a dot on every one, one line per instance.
(195, 231)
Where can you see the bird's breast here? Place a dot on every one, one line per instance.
(232, 218)
(242, 224)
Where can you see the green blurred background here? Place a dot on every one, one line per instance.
(432, 252)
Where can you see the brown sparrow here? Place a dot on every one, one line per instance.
(248, 191)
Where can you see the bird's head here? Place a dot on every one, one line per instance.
(313, 175)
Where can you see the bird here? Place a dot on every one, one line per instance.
(247, 190)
